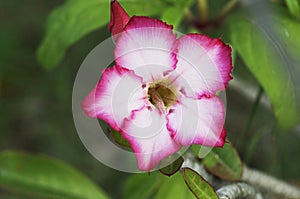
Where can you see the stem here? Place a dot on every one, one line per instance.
(233, 191)
(188, 16)
(203, 11)
(238, 190)
(242, 190)
(227, 8)
(254, 109)
(270, 183)
(0, 87)
(252, 114)
(253, 142)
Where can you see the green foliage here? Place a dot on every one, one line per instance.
(118, 138)
(156, 185)
(199, 187)
(42, 176)
(293, 6)
(142, 185)
(173, 187)
(269, 63)
(75, 19)
(67, 24)
(173, 167)
(173, 14)
(224, 163)
(169, 17)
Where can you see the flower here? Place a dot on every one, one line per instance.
(161, 92)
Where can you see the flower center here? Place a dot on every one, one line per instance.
(161, 96)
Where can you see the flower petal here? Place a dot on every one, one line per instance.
(117, 94)
(118, 19)
(146, 46)
(89, 105)
(149, 138)
(204, 65)
(198, 121)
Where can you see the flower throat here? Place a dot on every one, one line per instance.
(161, 96)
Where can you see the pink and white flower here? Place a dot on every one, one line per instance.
(161, 92)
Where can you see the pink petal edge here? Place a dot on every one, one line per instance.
(147, 47)
(198, 121)
(88, 104)
(118, 92)
(148, 146)
(204, 65)
(224, 58)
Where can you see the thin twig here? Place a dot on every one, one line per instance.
(252, 114)
(238, 190)
(254, 109)
(227, 8)
(203, 11)
(188, 16)
(270, 183)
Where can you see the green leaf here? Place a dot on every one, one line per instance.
(155, 185)
(173, 187)
(200, 151)
(169, 17)
(224, 163)
(270, 49)
(293, 6)
(67, 24)
(45, 177)
(118, 138)
(199, 187)
(76, 18)
(173, 15)
(173, 167)
(141, 185)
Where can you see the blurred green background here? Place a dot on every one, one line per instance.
(35, 112)
(36, 115)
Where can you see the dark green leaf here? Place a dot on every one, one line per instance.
(45, 177)
(172, 167)
(224, 163)
(270, 47)
(76, 18)
(118, 138)
(293, 6)
(199, 187)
